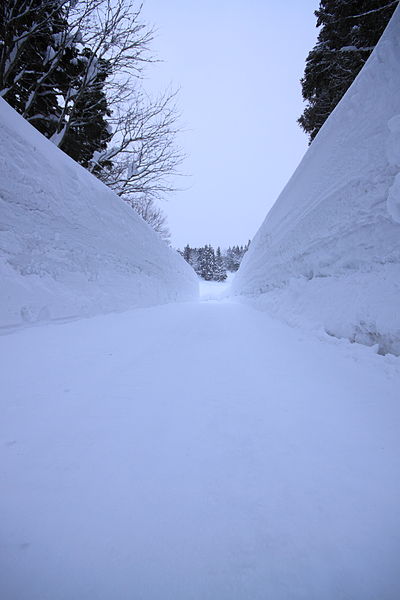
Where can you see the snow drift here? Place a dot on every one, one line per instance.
(328, 252)
(68, 245)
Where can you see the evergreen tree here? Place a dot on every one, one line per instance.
(44, 76)
(195, 259)
(219, 270)
(211, 265)
(88, 130)
(350, 29)
(29, 30)
(64, 63)
(187, 251)
(235, 258)
(207, 263)
(229, 263)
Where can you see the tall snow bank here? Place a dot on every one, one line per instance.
(328, 252)
(68, 245)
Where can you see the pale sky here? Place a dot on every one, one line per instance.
(238, 66)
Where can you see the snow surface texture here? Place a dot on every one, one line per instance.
(328, 252)
(68, 245)
(197, 451)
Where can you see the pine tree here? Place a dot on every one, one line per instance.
(64, 63)
(219, 270)
(236, 258)
(196, 259)
(29, 30)
(350, 30)
(187, 251)
(207, 263)
(40, 64)
(229, 265)
(214, 265)
(88, 130)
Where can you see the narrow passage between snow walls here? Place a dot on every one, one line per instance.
(191, 450)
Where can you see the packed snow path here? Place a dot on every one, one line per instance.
(199, 451)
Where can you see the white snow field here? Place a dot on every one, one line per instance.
(328, 253)
(68, 245)
(197, 451)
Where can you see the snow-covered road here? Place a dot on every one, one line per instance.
(198, 451)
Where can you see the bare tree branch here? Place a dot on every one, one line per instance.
(142, 155)
(145, 206)
(143, 150)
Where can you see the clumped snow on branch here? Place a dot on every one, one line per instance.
(68, 245)
(328, 253)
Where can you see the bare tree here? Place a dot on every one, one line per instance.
(35, 37)
(47, 31)
(111, 45)
(143, 151)
(145, 206)
(112, 30)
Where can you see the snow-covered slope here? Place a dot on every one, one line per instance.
(328, 253)
(68, 245)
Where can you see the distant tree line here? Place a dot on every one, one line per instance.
(213, 265)
(73, 69)
(350, 29)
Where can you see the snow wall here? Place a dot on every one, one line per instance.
(328, 252)
(69, 247)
